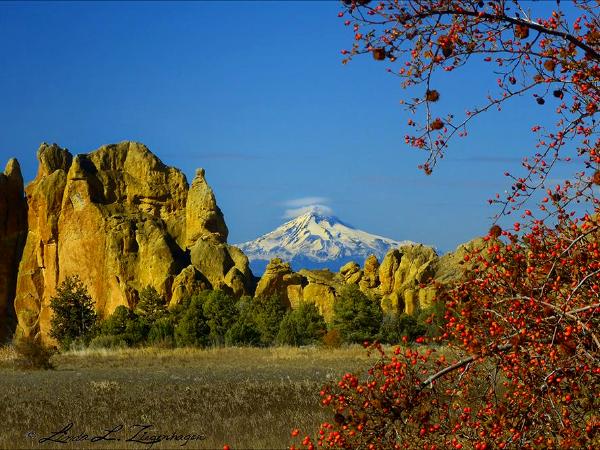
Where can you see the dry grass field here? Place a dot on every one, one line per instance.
(243, 397)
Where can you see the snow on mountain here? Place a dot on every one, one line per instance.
(315, 241)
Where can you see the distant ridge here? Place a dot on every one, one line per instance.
(316, 241)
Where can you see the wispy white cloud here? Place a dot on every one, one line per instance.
(299, 206)
(295, 212)
(305, 201)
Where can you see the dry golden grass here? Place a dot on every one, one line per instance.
(8, 356)
(244, 397)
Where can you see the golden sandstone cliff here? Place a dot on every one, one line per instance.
(119, 219)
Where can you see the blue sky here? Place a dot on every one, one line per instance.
(255, 93)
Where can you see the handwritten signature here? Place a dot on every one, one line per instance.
(139, 434)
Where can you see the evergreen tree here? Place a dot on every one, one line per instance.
(73, 312)
(151, 306)
(192, 328)
(125, 324)
(245, 330)
(221, 314)
(302, 326)
(268, 312)
(356, 316)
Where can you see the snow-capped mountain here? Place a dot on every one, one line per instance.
(315, 241)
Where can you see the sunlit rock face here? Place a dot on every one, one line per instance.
(121, 220)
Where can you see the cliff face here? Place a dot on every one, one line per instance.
(13, 230)
(120, 220)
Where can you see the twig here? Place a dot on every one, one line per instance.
(458, 365)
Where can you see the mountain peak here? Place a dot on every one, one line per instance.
(317, 215)
(316, 239)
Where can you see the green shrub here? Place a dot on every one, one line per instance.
(268, 312)
(162, 333)
(243, 333)
(399, 326)
(192, 329)
(33, 354)
(125, 325)
(116, 323)
(388, 332)
(302, 326)
(356, 316)
(221, 314)
(151, 306)
(136, 330)
(73, 312)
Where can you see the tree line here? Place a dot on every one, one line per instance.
(214, 318)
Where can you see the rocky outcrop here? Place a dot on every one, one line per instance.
(224, 266)
(401, 273)
(400, 282)
(203, 216)
(279, 279)
(351, 273)
(118, 218)
(370, 278)
(321, 288)
(315, 286)
(187, 283)
(13, 230)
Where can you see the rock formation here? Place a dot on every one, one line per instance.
(203, 216)
(321, 287)
(120, 220)
(279, 279)
(370, 278)
(13, 230)
(186, 283)
(351, 273)
(225, 266)
(399, 282)
(316, 286)
(400, 274)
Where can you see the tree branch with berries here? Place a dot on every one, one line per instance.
(517, 362)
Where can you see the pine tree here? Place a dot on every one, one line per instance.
(73, 310)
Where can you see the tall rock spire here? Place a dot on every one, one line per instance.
(203, 216)
(13, 230)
